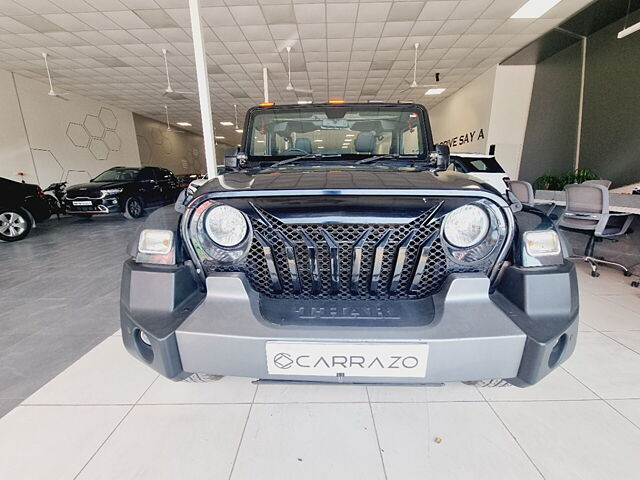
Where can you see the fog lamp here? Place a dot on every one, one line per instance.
(542, 243)
(156, 246)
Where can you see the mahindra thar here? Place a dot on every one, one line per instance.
(337, 247)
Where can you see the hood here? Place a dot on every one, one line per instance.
(335, 178)
(94, 186)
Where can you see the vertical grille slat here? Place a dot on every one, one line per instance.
(422, 262)
(356, 264)
(312, 248)
(334, 261)
(271, 265)
(378, 258)
(290, 251)
(400, 261)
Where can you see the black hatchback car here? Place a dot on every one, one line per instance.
(123, 189)
(21, 206)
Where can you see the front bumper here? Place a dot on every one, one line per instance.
(95, 206)
(520, 332)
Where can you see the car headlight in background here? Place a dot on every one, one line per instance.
(466, 226)
(110, 191)
(226, 226)
(542, 243)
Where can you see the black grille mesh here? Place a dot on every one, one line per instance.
(438, 265)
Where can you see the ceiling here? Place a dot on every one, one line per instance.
(111, 50)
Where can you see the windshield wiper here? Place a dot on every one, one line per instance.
(310, 156)
(394, 156)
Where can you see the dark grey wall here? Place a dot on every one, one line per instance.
(610, 142)
(611, 120)
(552, 126)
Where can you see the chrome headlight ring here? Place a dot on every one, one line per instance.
(201, 230)
(488, 240)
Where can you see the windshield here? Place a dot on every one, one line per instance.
(478, 164)
(349, 131)
(121, 174)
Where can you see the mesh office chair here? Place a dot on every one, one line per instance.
(604, 183)
(524, 192)
(587, 210)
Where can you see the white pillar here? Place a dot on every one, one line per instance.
(203, 89)
(265, 82)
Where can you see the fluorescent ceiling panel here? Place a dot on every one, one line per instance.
(535, 8)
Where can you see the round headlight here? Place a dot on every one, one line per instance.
(226, 226)
(466, 226)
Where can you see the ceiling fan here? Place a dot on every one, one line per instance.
(169, 92)
(52, 92)
(414, 84)
(290, 87)
(169, 129)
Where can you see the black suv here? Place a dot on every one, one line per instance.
(123, 189)
(340, 249)
(21, 206)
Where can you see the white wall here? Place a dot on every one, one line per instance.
(52, 139)
(509, 113)
(462, 120)
(491, 110)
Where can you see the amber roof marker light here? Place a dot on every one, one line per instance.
(335, 102)
(266, 104)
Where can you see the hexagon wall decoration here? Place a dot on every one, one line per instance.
(94, 126)
(99, 149)
(112, 140)
(108, 118)
(78, 135)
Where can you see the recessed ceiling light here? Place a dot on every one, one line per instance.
(304, 102)
(318, 140)
(434, 91)
(535, 8)
(320, 147)
(350, 135)
(183, 124)
(226, 124)
(238, 130)
(259, 141)
(219, 137)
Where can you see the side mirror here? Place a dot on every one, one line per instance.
(443, 157)
(231, 158)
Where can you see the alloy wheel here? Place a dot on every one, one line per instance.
(12, 224)
(135, 209)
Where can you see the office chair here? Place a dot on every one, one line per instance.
(604, 183)
(587, 210)
(524, 192)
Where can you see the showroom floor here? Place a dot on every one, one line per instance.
(108, 416)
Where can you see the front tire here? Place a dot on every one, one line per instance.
(15, 224)
(133, 208)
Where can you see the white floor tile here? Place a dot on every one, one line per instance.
(602, 314)
(313, 393)
(225, 390)
(107, 375)
(53, 442)
(449, 392)
(320, 441)
(629, 299)
(628, 339)
(606, 367)
(474, 443)
(171, 442)
(629, 408)
(575, 440)
(558, 385)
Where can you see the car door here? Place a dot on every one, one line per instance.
(149, 187)
(169, 185)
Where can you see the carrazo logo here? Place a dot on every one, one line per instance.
(282, 360)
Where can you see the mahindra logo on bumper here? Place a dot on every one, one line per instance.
(347, 359)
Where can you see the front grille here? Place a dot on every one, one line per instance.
(348, 261)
